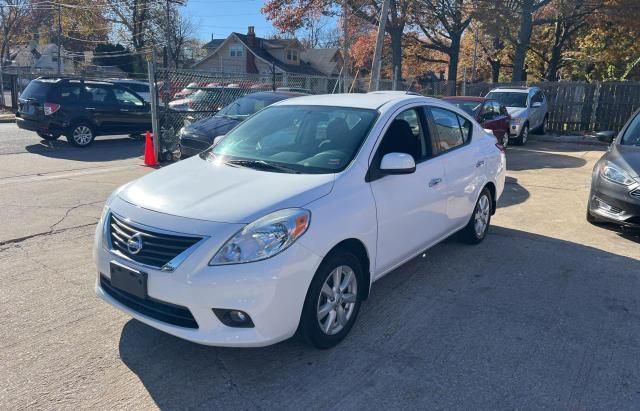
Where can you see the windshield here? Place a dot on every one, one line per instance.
(631, 135)
(246, 106)
(510, 99)
(471, 107)
(299, 139)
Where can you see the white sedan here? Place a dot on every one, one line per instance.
(287, 221)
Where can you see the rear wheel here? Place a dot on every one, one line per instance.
(48, 136)
(521, 140)
(333, 300)
(476, 229)
(81, 135)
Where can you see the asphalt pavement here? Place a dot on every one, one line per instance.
(543, 314)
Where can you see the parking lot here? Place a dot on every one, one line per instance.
(544, 313)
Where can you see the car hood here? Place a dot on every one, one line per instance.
(516, 111)
(627, 157)
(179, 102)
(209, 128)
(206, 190)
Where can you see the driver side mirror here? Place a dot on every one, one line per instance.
(606, 136)
(536, 104)
(398, 163)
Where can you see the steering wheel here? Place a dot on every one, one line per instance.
(323, 142)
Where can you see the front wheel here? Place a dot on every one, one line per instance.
(476, 229)
(333, 300)
(524, 136)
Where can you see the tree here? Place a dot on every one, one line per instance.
(13, 14)
(526, 9)
(567, 18)
(133, 17)
(443, 22)
(114, 55)
(290, 15)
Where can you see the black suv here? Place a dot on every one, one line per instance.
(81, 110)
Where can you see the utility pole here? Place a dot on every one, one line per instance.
(59, 35)
(167, 46)
(377, 55)
(345, 44)
(475, 52)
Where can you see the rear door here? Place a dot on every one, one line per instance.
(100, 106)
(462, 160)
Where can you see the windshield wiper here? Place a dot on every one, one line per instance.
(264, 165)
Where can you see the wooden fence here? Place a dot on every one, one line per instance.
(580, 107)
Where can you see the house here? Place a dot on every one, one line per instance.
(41, 57)
(249, 54)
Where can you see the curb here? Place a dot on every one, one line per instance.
(8, 119)
(582, 140)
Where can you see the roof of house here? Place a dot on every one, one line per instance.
(213, 44)
(323, 59)
(302, 68)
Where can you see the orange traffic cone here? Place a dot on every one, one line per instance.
(149, 152)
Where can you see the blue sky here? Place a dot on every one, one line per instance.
(221, 17)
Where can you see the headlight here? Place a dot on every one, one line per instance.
(264, 238)
(613, 173)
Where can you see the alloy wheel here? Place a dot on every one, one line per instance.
(82, 135)
(481, 218)
(337, 300)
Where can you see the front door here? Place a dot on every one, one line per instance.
(411, 208)
(132, 112)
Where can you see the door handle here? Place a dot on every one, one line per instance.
(89, 108)
(435, 182)
(480, 163)
(125, 110)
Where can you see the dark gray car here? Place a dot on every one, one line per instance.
(615, 185)
(199, 136)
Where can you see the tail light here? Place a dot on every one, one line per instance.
(50, 108)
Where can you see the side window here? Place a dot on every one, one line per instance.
(537, 97)
(496, 108)
(451, 130)
(125, 98)
(406, 134)
(488, 111)
(67, 94)
(100, 95)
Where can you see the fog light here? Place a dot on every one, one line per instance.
(233, 318)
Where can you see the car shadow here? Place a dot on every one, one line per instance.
(533, 157)
(441, 331)
(102, 149)
(513, 193)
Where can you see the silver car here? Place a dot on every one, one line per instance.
(528, 109)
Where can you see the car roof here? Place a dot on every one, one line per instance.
(465, 98)
(130, 81)
(283, 94)
(373, 100)
(514, 89)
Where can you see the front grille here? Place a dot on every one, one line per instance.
(158, 310)
(635, 193)
(157, 248)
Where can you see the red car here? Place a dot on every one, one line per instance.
(489, 113)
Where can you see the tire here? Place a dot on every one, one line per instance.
(591, 219)
(542, 129)
(313, 324)
(48, 136)
(521, 140)
(81, 134)
(476, 229)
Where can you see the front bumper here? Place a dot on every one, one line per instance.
(271, 292)
(515, 129)
(614, 203)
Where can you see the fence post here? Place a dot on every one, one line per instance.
(594, 109)
(155, 126)
(273, 76)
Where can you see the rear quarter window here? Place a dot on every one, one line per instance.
(37, 90)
